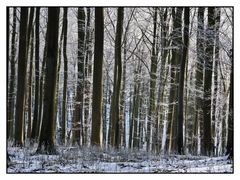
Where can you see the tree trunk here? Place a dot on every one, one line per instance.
(153, 78)
(207, 135)
(64, 103)
(181, 82)
(29, 130)
(47, 136)
(96, 138)
(176, 55)
(11, 94)
(21, 78)
(87, 82)
(36, 103)
(117, 81)
(199, 75)
(78, 110)
(229, 151)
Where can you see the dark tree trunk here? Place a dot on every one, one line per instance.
(176, 55)
(96, 138)
(41, 89)
(64, 103)
(21, 80)
(207, 130)
(47, 136)
(216, 68)
(153, 78)
(36, 104)
(78, 112)
(230, 116)
(181, 81)
(117, 81)
(11, 94)
(199, 76)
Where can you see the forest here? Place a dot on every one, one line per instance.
(120, 89)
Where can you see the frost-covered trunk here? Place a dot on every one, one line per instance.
(78, 108)
(11, 93)
(207, 127)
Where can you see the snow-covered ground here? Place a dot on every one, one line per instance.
(80, 160)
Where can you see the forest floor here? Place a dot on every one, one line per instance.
(90, 160)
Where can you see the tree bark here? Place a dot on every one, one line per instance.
(11, 94)
(96, 138)
(47, 136)
(21, 80)
(176, 55)
(78, 110)
(117, 81)
(181, 82)
(229, 151)
(64, 103)
(36, 104)
(207, 130)
(153, 78)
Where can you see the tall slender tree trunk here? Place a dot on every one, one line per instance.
(229, 151)
(135, 111)
(117, 81)
(122, 99)
(29, 130)
(11, 94)
(176, 55)
(96, 138)
(47, 136)
(21, 80)
(87, 76)
(78, 110)
(41, 89)
(36, 103)
(207, 130)
(216, 68)
(181, 81)
(199, 76)
(153, 78)
(64, 103)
